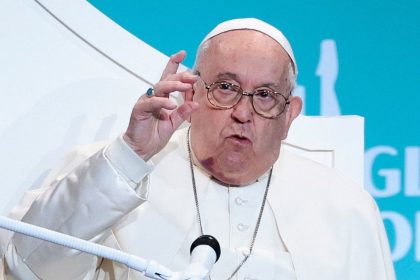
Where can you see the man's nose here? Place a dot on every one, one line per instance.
(243, 111)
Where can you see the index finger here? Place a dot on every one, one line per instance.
(173, 64)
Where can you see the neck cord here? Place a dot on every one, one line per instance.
(197, 207)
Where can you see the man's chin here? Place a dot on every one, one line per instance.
(234, 174)
(229, 167)
(235, 160)
(231, 180)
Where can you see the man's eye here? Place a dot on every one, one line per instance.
(226, 86)
(265, 94)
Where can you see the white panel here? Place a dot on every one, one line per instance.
(57, 91)
(337, 142)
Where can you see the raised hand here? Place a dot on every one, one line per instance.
(154, 119)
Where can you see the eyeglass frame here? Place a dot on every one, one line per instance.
(242, 93)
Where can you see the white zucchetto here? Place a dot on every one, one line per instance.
(258, 25)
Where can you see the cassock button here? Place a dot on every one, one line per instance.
(240, 201)
(242, 227)
(246, 252)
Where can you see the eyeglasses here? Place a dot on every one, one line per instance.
(265, 101)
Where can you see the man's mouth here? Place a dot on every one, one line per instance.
(240, 140)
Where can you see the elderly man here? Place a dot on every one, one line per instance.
(154, 190)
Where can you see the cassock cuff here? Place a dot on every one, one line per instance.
(129, 165)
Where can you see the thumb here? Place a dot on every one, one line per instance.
(182, 113)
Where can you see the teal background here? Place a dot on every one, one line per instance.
(378, 44)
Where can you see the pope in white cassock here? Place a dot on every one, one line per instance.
(154, 190)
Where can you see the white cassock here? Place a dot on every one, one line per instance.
(316, 223)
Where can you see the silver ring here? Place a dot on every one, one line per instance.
(150, 92)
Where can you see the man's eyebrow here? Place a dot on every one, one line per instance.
(233, 76)
(227, 75)
(271, 85)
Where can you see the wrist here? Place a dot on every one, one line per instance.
(136, 149)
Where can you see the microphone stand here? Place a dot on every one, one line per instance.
(151, 268)
(205, 251)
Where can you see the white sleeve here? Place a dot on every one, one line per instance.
(84, 202)
(129, 165)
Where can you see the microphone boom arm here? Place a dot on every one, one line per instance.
(151, 268)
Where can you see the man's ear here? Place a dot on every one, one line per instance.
(293, 110)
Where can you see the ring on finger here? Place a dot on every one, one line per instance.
(150, 92)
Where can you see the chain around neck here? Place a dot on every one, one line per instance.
(197, 208)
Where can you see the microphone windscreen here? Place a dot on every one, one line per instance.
(207, 240)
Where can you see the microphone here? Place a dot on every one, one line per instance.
(205, 252)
